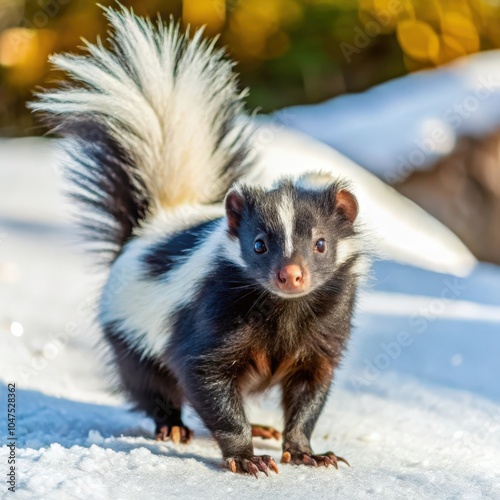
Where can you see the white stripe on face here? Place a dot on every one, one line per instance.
(286, 214)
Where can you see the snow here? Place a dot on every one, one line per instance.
(415, 407)
(410, 122)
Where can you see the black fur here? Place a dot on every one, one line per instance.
(147, 382)
(216, 340)
(163, 256)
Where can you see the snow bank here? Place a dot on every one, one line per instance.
(410, 122)
(398, 228)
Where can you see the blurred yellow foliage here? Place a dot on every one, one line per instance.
(257, 28)
(208, 13)
(15, 45)
(433, 32)
(418, 39)
(24, 52)
(460, 28)
(291, 51)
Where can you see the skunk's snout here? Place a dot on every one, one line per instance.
(291, 275)
(292, 278)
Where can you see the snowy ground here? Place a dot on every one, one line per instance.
(415, 409)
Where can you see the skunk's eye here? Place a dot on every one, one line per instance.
(320, 245)
(259, 246)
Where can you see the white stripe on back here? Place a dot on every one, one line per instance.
(143, 306)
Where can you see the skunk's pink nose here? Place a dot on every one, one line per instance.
(291, 277)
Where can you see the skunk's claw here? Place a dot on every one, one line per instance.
(176, 433)
(252, 465)
(300, 458)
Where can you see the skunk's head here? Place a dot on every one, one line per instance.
(294, 237)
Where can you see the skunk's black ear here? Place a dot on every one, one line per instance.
(235, 203)
(346, 205)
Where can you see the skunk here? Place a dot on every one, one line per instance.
(217, 288)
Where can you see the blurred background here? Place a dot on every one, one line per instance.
(289, 51)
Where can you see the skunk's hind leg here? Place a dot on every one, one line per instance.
(265, 432)
(169, 424)
(152, 388)
(164, 407)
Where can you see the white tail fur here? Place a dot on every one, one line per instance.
(170, 104)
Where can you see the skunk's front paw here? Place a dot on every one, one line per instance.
(252, 464)
(176, 433)
(301, 458)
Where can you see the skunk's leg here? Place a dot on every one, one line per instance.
(151, 386)
(218, 402)
(168, 421)
(162, 404)
(304, 395)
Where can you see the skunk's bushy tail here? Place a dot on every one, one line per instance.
(153, 122)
